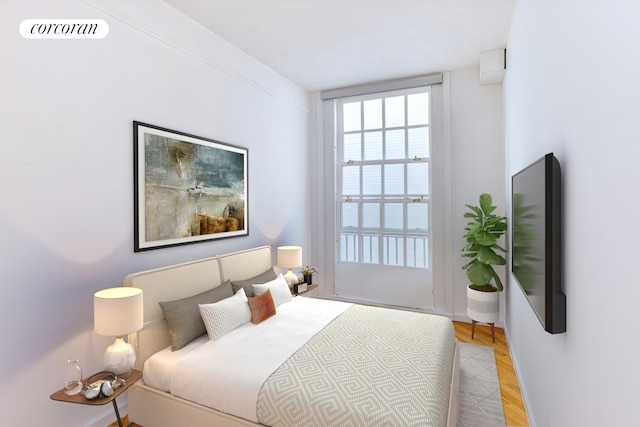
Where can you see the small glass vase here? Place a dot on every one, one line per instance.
(307, 278)
(72, 378)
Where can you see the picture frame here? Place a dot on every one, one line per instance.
(187, 189)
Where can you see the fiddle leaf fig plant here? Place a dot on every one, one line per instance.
(482, 234)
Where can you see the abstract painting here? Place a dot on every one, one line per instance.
(187, 189)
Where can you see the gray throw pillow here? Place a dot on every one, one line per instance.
(183, 316)
(247, 284)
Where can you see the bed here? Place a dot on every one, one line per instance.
(313, 362)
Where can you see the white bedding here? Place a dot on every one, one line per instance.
(157, 369)
(240, 362)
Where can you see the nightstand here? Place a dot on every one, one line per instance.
(79, 398)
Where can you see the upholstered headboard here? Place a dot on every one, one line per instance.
(245, 264)
(183, 280)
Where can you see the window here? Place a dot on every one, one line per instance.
(383, 176)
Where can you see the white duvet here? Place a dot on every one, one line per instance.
(227, 374)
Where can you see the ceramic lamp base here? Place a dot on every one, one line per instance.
(291, 278)
(119, 358)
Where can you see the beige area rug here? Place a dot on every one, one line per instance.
(480, 403)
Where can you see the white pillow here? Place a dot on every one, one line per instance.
(224, 316)
(279, 290)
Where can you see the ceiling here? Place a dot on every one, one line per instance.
(325, 44)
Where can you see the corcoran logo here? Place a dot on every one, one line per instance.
(64, 29)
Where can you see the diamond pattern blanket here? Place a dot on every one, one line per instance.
(370, 366)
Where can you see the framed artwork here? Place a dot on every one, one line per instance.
(187, 189)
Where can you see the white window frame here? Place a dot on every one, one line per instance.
(322, 209)
(381, 234)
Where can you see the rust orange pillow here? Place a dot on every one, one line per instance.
(262, 307)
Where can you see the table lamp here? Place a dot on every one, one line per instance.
(290, 257)
(116, 313)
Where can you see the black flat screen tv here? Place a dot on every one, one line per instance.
(536, 241)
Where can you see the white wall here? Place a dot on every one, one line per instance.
(477, 163)
(572, 87)
(66, 172)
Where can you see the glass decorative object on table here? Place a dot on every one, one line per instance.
(73, 377)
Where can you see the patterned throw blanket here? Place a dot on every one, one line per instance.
(369, 367)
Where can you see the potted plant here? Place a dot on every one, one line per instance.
(307, 274)
(482, 234)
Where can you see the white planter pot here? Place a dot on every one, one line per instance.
(483, 307)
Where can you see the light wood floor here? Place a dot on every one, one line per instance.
(514, 411)
(125, 422)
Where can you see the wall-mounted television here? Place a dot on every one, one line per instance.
(536, 240)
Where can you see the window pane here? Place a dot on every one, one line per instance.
(393, 218)
(418, 178)
(395, 144)
(371, 216)
(350, 180)
(373, 146)
(370, 249)
(419, 142)
(418, 109)
(351, 116)
(417, 217)
(385, 145)
(394, 179)
(373, 114)
(417, 252)
(371, 180)
(352, 147)
(394, 111)
(349, 217)
(349, 247)
(393, 250)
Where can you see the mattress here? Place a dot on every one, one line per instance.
(357, 366)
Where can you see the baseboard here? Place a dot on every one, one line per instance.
(458, 317)
(377, 304)
(523, 391)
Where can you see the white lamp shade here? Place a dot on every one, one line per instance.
(117, 311)
(289, 256)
